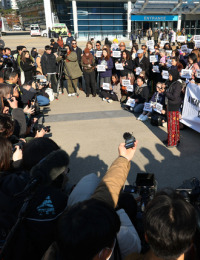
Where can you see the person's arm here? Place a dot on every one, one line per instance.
(110, 64)
(110, 186)
(147, 67)
(43, 64)
(129, 66)
(144, 95)
(175, 93)
(26, 67)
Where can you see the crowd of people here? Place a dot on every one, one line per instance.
(93, 219)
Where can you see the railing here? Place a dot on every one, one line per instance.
(101, 35)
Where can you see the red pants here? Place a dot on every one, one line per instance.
(173, 128)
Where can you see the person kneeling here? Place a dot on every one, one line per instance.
(114, 94)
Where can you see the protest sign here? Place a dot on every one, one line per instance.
(198, 73)
(98, 54)
(153, 58)
(138, 70)
(119, 66)
(130, 102)
(101, 68)
(151, 48)
(189, 50)
(187, 74)
(126, 82)
(191, 108)
(196, 37)
(147, 107)
(168, 53)
(106, 86)
(169, 63)
(114, 46)
(150, 43)
(156, 69)
(162, 44)
(197, 44)
(184, 48)
(129, 88)
(180, 38)
(165, 74)
(158, 108)
(117, 54)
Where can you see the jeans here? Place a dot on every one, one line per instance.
(138, 108)
(90, 82)
(52, 78)
(42, 101)
(149, 38)
(156, 41)
(105, 80)
(106, 94)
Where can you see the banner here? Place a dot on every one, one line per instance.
(191, 107)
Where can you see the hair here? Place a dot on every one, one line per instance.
(135, 46)
(177, 53)
(197, 52)
(60, 37)
(117, 79)
(107, 47)
(95, 224)
(169, 224)
(33, 52)
(5, 89)
(179, 65)
(143, 79)
(5, 49)
(47, 48)
(40, 148)
(10, 73)
(144, 46)
(67, 45)
(193, 57)
(52, 40)
(108, 54)
(89, 42)
(98, 42)
(6, 125)
(91, 39)
(23, 58)
(127, 54)
(5, 154)
(20, 48)
(167, 43)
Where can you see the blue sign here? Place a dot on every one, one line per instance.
(154, 18)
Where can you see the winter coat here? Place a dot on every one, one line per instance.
(117, 91)
(173, 93)
(143, 64)
(48, 62)
(78, 53)
(54, 47)
(69, 41)
(39, 66)
(108, 72)
(155, 36)
(88, 69)
(28, 69)
(149, 33)
(142, 94)
(128, 68)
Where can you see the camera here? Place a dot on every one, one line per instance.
(37, 127)
(16, 142)
(62, 53)
(40, 80)
(129, 140)
(6, 103)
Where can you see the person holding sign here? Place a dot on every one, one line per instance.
(127, 64)
(173, 103)
(107, 61)
(192, 64)
(142, 62)
(115, 93)
(176, 65)
(88, 65)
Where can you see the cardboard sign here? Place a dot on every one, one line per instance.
(130, 102)
(197, 44)
(162, 44)
(101, 68)
(187, 74)
(198, 73)
(165, 74)
(180, 38)
(153, 58)
(129, 88)
(114, 46)
(156, 69)
(151, 48)
(196, 37)
(106, 86)
(119, 66)
(98, 54)
(138, 70)
(184, 48)
(126, 82)
(147, 107)
(189, 50)
(158, 108)
(150, 43)
(117, 54)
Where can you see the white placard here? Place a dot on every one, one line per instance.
(129, 88)
(147, 107)
(158, 108)
(196, 37)
(162, 44)
(116, 54)
(106, 86)
(101, 68)
(138, 70)
(165, 74)
(180, 38)
(119, 66)
(114, 46)
(126, 82)
(169, 53)
(184, 48)
(150, 43)
(189, 50)
(98, 54)
(198, 74)
(130, 102)
(156, 69)
(169, 63)
(151, 48)
(153, 58)
(187, 74)
(197, 44)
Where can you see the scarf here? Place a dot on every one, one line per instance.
(60, 43)
(68, 55)
(87, 60)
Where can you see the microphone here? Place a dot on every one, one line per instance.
(47, 170)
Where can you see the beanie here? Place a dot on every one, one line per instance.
(86, 50)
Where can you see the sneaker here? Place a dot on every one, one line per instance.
(164, 124)
(140, 117)
(69, 95)
(131, 108)
(73, 94)
(104, 99)
(110, 100)
(144, 118)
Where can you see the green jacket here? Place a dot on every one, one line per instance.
(73, 68)
(155, 36)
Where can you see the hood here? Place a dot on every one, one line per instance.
(72, 56)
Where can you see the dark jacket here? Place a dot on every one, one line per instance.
(78, 53)
(173, 93)
(48, 62)
(28, 69)
(20, 121)
(108, 72)
(54, 47)
(128, 68)
(143, 64)
(69, 41)
(158, 97)
(141, 93)
(2, 44)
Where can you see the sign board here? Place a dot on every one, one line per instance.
(180, 38)
(138, 70)
(126, 82)
(197, 44)
(114, 46)
(116, 54)
(156, 69)
(153, 58)
(98, 54)
(158, 108)
(162, 43)
(129, 88)
(165, 74)
(187, 74)
(154, 18)
(196, 37)
(106, 86)
(130, 102)
(147, 107)
(184, 48)
(119, 66)
(101, 68)
(198, 73)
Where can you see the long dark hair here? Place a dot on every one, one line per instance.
(127, 55)
(5, 154)
(23, 58)
(117, 79)
(108, 55)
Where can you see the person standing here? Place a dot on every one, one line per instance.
(88, 65)
(89, 45)
(139, 36)
(173, 103)
(183, 32)
(27, 66)
(149, 34)
(155, 36)
(133, 38)
(170, 35)
(60, 41)
(2, 43)
(98, 48)
(69, 40)
(105, 77)
(79, 57)
(54, 46)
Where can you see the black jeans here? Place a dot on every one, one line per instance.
(149, 38)
(106, 94)
(156, 41)
(52, 78)
(90, 82)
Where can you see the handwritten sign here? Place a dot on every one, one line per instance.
(130, 102)
(106, 86)
(126, 82)
(114, 46)
(156, 69)
(158, 108)
(119, 66)
(129, 88)
(169, 53)
(101, 68)
(196, 37)
(169, 63)
(153, 58)
(117, 54)
(180, 38)
(197, 44)
(150, 43)
(198, 73)
(162, 44)
(98, 54)
(165, 74)
(138, 70)
(187, 74)
(184, 48)
(147, 107)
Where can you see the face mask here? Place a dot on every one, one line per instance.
(108, 248)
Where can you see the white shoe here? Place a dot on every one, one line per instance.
(73, 94)
(140, 117)
(131, 108)
(110, 100)
(104, 99)
(144, 118)
(69, 95)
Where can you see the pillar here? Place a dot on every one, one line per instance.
(48, 14)
(75, 19)
(129, 19)
(179, 22)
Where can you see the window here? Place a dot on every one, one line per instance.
(187, 24)
(198, 23)
(193, 24)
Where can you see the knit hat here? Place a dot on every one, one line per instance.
(86, 50)
(115, 40)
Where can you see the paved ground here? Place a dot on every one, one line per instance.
(90, 130)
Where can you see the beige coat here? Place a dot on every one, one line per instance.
(39, 67)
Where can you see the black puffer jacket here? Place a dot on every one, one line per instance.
(48, 62)
(28, 68)
(173, 93)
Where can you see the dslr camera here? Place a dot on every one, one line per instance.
(129, 140)
(40, 80)
(62, 53)
(16, 142)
